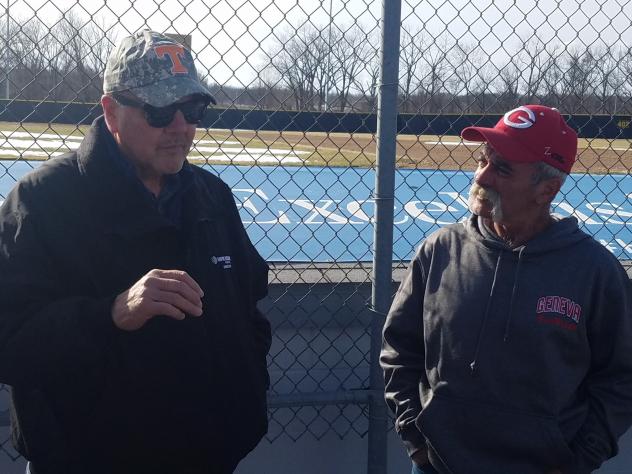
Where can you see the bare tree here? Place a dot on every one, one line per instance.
(624, 97)
(56, 62)
(24, 60)
(327, 68)
(482, 88)
(366, 82)
(509, 79)
(475, 76)
(411, 52)
(534, 61)
(576, 82)
(65, 61)
(82, 62)
(350, 52)
(433, 70)
(551, 83)
(298, 62)
(608, 79)
(466, 60)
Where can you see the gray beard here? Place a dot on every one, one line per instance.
(490, 195)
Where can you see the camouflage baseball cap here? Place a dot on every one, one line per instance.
(155, 68)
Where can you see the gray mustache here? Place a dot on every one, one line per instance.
(483, 193)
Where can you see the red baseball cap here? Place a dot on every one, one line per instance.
(528, 134)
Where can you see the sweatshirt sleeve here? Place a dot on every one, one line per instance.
(608, 384)
(45, 334)
(402, 356)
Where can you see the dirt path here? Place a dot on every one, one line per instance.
(425, 152)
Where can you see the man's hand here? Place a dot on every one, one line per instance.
(170, 293)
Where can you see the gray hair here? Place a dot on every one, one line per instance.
(544, 171)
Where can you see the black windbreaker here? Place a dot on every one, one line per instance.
(173, 397)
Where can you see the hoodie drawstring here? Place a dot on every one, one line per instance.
(484, 322)
(513, 295)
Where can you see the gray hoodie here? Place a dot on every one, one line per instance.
(511, 361)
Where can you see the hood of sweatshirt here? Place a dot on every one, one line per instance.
(564, 231)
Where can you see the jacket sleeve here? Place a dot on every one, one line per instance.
(45, 334)
(608, 385)
(402, 356)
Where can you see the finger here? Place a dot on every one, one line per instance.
(178, 301)
(176, 286)
(182, 276)
(166, 309)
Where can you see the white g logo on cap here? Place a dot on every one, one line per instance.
(525, 122)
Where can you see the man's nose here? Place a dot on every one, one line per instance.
(178, 124)
(484, 176)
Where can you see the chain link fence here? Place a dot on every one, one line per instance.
(294, 135)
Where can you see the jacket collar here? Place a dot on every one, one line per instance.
(123, 206)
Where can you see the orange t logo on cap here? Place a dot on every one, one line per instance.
(174, 51)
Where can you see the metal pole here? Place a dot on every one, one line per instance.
(328, 71)
(383, 234)
(7, 91)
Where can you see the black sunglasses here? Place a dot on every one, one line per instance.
(159, 117)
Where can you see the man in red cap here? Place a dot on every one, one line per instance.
(507, 347)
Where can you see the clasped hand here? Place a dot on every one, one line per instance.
(171, 293)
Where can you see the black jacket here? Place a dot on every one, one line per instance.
(173, 397)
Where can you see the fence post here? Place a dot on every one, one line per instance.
(383, 234)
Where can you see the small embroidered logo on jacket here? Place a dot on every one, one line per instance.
(557, 305)
(223, 261)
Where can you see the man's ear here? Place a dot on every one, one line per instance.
(547, 190)
(110, 113)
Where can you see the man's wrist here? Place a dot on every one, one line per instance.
(420, 457)
(413, 439)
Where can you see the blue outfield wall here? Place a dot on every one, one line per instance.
(588, 126)
(325, 214)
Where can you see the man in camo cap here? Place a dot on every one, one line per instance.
(129, 328)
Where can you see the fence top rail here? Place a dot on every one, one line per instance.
(340, 273)
(80, 113)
